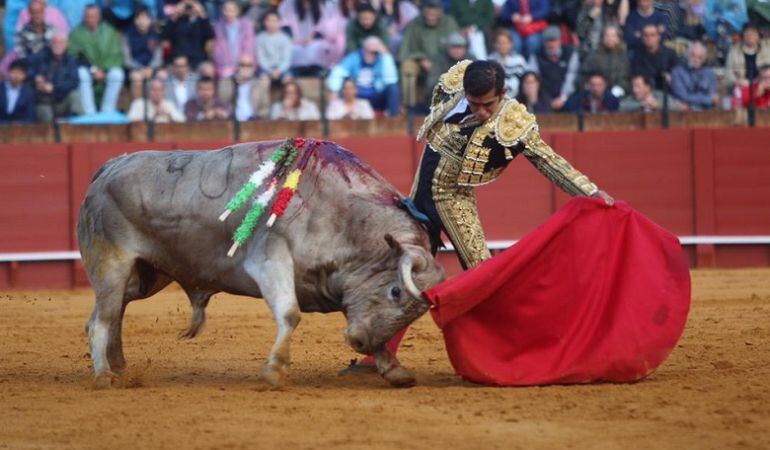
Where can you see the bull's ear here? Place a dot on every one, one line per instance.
(392, 242)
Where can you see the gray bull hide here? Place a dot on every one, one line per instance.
(151, 218)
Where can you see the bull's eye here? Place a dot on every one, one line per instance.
(395, 292)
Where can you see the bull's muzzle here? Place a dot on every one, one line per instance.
(360, 341)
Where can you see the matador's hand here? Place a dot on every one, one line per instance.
(609, 201)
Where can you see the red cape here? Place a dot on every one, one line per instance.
(596, 293)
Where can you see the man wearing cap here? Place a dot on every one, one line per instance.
(425, 38)
(456, 51)
(472, 133)
(557, 66)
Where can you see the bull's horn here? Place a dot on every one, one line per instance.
(406, 263)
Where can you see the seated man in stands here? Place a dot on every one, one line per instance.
(187, 31)
(55, 76)
(365, 24)
(157, 109)
(98, 47)
(655, 61)
(374, 72)
(455, 51)
(759, 89)
(423, 42)
(642, 16)
(596, 99)
(557, 66)
(252, 97)
(17, 99)
(694, 84)
(35, 35)
(180, 85)
(206, 106)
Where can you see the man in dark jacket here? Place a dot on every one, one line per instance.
(595, 99)
(557, 66)
(17, 99)
(364, 25)
(187, 31)
(654, 61)
(55, 76)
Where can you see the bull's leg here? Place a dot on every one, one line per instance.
(104, 326)
(275, 278)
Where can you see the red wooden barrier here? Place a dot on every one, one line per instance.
(693, 182)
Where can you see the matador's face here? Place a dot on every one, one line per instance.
(485, 106)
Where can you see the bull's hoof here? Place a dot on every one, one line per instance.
(273, 374)
(400, 377)
(356, 367)
(104, 380)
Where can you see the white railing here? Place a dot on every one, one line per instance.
(493, 245)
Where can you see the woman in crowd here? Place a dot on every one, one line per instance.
(142, 51)
(293, 106)
(531, 96)
(348, 106)
(234, 37)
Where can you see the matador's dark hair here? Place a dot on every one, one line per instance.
(483, 76)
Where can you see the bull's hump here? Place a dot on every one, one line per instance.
(348, 166)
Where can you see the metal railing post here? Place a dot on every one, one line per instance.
(322, 101)
(234, 116)
(664, 110)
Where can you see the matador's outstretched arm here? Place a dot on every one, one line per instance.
(558, 170)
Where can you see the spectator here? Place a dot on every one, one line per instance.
(557, 66)
(55, 75)
(98, 47)
(335, 16)
(142, 51)
(120, 13)
(760, 88)
(16, 20)
(396, 15)
(644, 98)
(273, 49)
(644, 14)
(17, 99)
(424, 40)
(562, 12)
(595, 99)
(691, 27)
(610, 60)
(594, 16)
(530, 95)
(205, 105)
(157, 109)
(187, 31)
(349, 106)
(207, 69)
(654, 60)
(528, 20)
(35, 35)
(374, 72)
(722, 20)
(252, 97)
(746, 56)
(455, 51)
(234, 38)
(180, 86)
(365, 24)
(310, 50)
(694, 84)
(293, 106)
(514, 64)
(474, 18)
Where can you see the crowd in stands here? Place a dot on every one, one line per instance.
(194, 60)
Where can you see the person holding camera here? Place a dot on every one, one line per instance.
(187, 32)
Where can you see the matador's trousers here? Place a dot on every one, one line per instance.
(451, 208)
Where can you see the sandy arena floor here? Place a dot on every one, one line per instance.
(713, 392)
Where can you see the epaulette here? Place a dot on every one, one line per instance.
(513, 123)
(451, 82)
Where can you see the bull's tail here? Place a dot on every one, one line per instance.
(199, 301)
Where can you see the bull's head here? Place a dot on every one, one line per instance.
(388, 297)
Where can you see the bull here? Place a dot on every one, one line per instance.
(344, 244)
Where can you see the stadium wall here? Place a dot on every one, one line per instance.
(703, 182)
